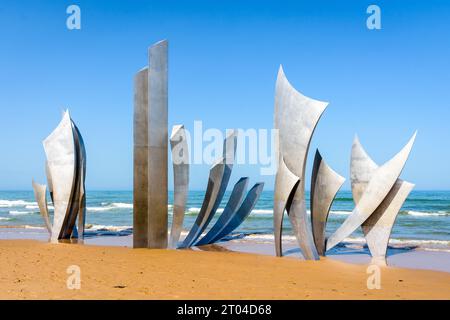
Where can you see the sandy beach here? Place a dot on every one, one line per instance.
(33, 269)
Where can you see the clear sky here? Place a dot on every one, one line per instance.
(224, 56)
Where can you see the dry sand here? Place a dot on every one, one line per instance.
(35, 270)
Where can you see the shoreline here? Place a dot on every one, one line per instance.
(32, 269)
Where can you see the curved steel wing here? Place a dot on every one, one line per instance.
(244, 210)
(180, 160)
(59, 148)
(296, 117)
(233, 204)
(325, 184)
(381, 182)
(40, 193)
(286, 184)
(377, 228)
(218, 180)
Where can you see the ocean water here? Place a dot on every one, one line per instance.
(423, 221)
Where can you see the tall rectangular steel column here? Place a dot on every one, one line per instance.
(150, 221)
(157, 145)
(140, 175)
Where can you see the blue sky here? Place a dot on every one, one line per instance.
(224, 57)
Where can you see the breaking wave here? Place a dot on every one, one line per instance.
(15, 203)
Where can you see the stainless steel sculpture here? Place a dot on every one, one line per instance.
(180, 160)
(235, 220)
(370, 185)
(325, 184)
(377, 228)
(233, 205)
(40, 193)
(66, 170)
(219, 176)
(150, 218)
(285, 185)
(296, 117)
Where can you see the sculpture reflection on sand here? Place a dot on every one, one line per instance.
(66, 171)
(377, 191)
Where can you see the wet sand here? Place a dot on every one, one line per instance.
(31, 269)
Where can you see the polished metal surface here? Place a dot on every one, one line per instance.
(79, 200)
(219, 177)
(180, 161)
(325, 184)
(216, 175)
(59, 148)
(377, 183)
(296, 117)
(240, 215)
(40, 193)
(140, 166)
(66, 173)
(150, 187)
(232, 206)
(377, 228)
(285, 185)
(158, 145)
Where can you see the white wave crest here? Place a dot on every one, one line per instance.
(341, 212)
(15, 203)
(262, 211)
(106, 206)
(19, 213)
(111, 206)
(97, 227)
(427, 214)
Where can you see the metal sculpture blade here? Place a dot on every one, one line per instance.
(66, 171)
(377, 228)
(216, 174)
(233, 204)
(239, 217)
(286, 184)
(60, 150)
(77, 208)
(296, 117)
(325, 184)
(180, 160)
(40, 193)
(382, 179)
(219, 177)
(80, 200)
